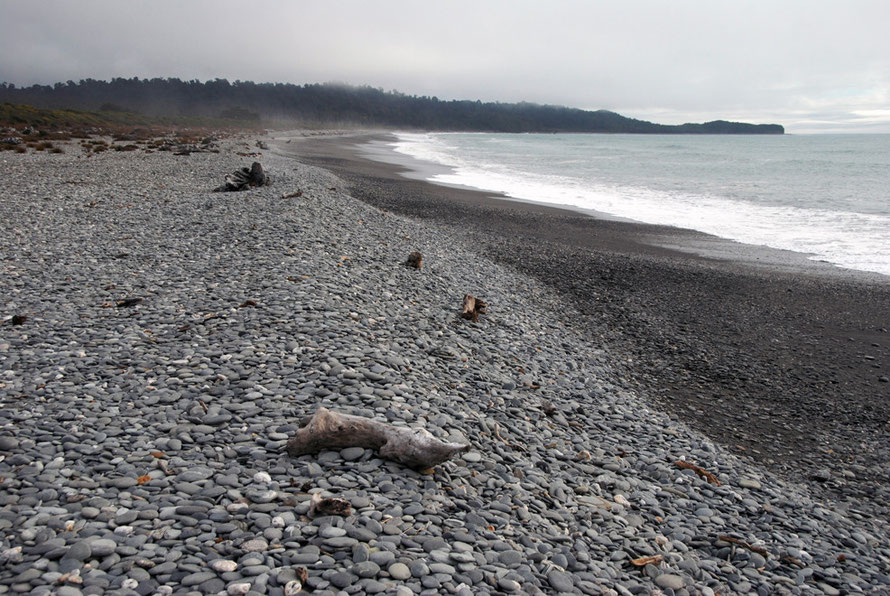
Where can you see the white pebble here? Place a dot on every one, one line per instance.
(292, 587)
(238, 589)
(130, 584)
(224, 566)
(262, 478)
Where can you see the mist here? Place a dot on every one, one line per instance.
(812, 66)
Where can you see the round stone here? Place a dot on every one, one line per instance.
(224, 565)
(102, 547)
(510, 558)
(561, 582)
(352, 453)
(399, 571)
(238, 589)
(508, 585)
(670, 580)
(343, 579)
(749, 483)
(79, 551)
(366, 569)
(255, 545)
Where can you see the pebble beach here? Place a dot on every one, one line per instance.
(168, 340)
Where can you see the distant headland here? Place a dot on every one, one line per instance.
(342, 105)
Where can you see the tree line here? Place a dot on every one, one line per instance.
(340, 104)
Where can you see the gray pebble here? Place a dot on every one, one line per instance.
(670, 580)
(399, 571)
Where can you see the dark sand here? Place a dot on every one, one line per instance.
(775, 357)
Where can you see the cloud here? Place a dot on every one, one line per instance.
(754, 61)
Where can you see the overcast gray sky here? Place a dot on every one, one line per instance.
(812, 65)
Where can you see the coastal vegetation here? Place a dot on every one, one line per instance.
(246, 102)
(25, 128)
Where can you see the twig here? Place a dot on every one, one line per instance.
(698, 470)
(742, 543)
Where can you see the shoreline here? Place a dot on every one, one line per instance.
(775, 357)
(370, 146)
(686, 240)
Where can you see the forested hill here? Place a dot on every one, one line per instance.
(341, 105)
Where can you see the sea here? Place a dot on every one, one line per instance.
(827, 196)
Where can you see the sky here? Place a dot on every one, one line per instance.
(812, 66)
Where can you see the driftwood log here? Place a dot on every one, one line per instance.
(412, 447)
(244, 178)
(415, 259)
(473, 307)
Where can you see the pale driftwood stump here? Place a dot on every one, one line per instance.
(415, 259)
(412, 447)
(244, 178)
(473, 307)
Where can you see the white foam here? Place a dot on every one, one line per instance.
(848, 239)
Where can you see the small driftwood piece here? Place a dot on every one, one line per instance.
(319, 505)
(244, 178)
(412, 447)
(128, 302)
(643, 561)
(415, 259)
(698, 470)
(473, 307)
(742, 543)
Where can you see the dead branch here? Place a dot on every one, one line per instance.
(698, 470)
(412, 447)
(742, 543)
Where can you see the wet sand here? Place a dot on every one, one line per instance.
(778, 358)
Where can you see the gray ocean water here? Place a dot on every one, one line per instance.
(824, 195)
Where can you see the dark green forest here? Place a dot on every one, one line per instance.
(340, 105)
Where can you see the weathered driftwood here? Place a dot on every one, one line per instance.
(473, 307)
(415, 259)
(643, 561)
(698, 470)
(412, 447)
(244, 178)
